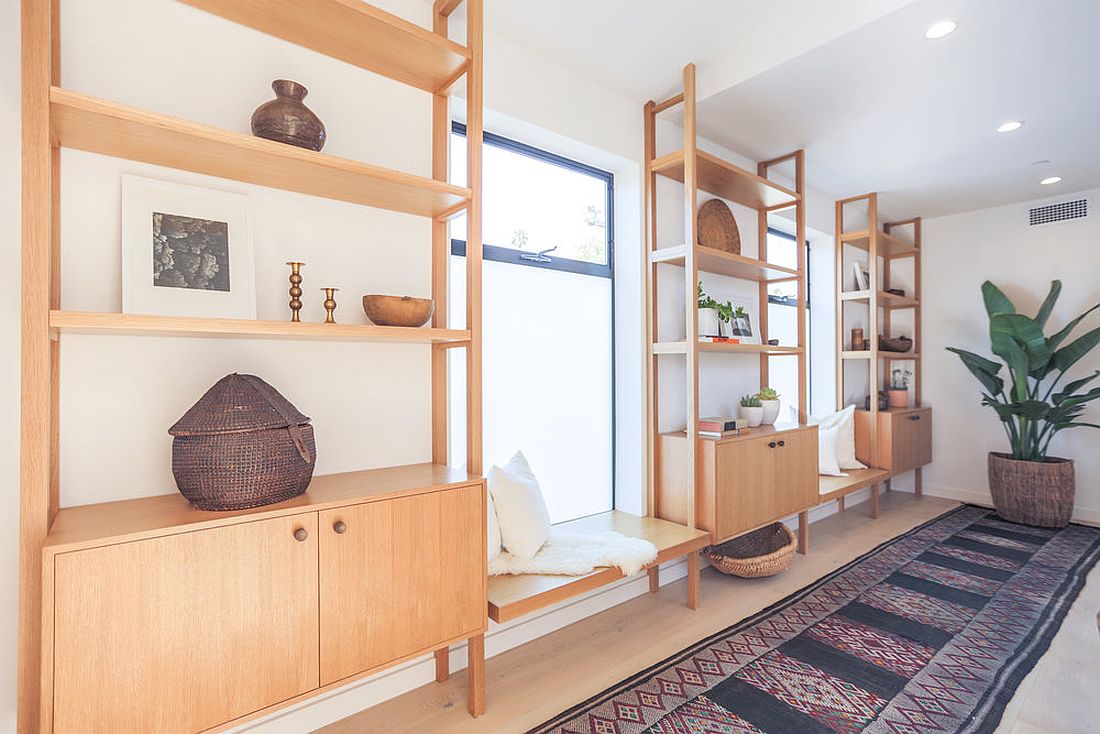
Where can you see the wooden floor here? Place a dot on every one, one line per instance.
(532, 683)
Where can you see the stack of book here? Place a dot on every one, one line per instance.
(722, 427)
(720, 340)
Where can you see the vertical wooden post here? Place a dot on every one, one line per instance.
(918, 475)
(693, 580)
(803, 267)
(762, 286)
(691, 278)
(40, 285)
(441, 250)
(874, 500)
(474, 436)
(872, 315)
(804, 532)
(839, 274)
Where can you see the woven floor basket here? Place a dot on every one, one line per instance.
(1032, 492)
(242, 445)
(763, 552)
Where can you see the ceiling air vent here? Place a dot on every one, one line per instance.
(1060, 212)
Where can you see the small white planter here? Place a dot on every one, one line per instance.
(752, 415)
(709, 324)
(771, 411)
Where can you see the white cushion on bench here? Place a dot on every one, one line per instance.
(521, 510)
(576, 554)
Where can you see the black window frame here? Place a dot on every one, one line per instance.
(513, 256)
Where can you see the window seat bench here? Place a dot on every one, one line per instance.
(514, 596)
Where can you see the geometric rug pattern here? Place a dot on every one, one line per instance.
(932, 631)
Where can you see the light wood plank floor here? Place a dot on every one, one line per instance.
(532, 683)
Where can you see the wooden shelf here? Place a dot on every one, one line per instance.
(888, 245)
(87, 525)
(99, 126)
(354, 32)
(681, 348)
(728, 181)
(831, 488)
(860, 354)
(84, 322)
(514, 596)
(724, 263)
(885, 299)
(866, 354)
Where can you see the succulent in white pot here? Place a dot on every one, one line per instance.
(710, 319)
(769, 401)
(751, 410)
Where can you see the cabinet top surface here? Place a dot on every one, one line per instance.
(109, 522)
(759, 432)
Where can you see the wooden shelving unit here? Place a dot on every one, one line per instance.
(702, 172)
(55, 117)
(883, 249)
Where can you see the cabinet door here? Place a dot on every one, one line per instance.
(911, 440)
(400, 577)
(743, 479)
(794, 477)
(184, 632)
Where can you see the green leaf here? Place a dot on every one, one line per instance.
(986, 370)
(1081, 399)
(1069, 355)
(1073, 387)
(1005, 347)
(1031, 409)
(995, 300)
(1060, 337)
(1027, 333)
(1048, 303)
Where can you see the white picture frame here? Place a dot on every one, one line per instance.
(213, 275)
(747, 330)
(861, 276)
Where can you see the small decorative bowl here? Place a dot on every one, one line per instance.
(398, 310)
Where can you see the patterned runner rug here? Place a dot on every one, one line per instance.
(930, 632)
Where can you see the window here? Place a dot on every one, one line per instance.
(783, 320)
(547, 293)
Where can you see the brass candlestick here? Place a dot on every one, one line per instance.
(295, 290)
(329, 304)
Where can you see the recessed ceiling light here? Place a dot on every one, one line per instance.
(1050, 180)
(1010, 126)
(940, 29)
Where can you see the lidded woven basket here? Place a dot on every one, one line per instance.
(242, 445)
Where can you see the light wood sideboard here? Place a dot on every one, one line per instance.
(746, 481)
(159, 617)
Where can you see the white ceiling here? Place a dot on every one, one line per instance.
(884, 109)
(638, 47)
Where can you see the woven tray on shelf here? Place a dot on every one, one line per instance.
(763, 552)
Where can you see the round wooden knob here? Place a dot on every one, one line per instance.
(301, 534)
(771, 444)
(782, 443)
(340, 527)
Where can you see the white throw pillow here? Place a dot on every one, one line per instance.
(521, 511)
(826, 451)
(846, 437)
(492, 527)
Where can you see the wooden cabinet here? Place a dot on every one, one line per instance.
(745, 482)
(395, 578)
(904, 439)
(181, 633)
(162, 618)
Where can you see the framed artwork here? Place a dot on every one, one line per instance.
(745, 324)
(186, 251)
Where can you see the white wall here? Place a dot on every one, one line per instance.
(960, 252)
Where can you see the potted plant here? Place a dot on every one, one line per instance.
(897, 395)
(751, 410)
(769, 401)
(1028, 485)
(709, 314)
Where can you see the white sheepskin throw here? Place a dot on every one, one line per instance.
(575, 554)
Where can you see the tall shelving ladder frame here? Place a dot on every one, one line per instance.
(53, 117)
(701, 171)
(879, 243)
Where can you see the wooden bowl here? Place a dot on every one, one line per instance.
(398, 310)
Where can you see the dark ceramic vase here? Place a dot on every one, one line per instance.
(286, 119)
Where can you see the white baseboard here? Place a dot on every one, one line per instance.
(981, 497)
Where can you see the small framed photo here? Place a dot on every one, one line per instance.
(745, 324)
(186, 251)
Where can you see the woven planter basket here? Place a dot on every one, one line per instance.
(763, 552)
(242, 445)
(1032, 492)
